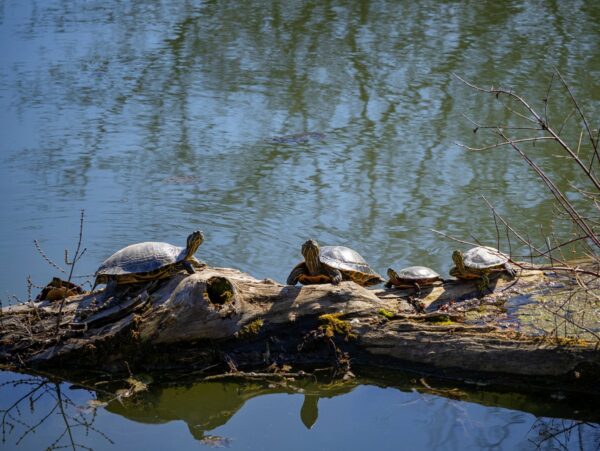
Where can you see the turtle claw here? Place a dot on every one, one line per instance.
(417, 289)
(188, 267)
(511, 271)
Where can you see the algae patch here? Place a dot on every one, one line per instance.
(333, 325)
(386, 313)
(440, 320)
(252, 329)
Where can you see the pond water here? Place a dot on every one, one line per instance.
(386, 414)
(267, 123)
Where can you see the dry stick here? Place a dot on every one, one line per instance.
(508, 241)
(575, 216)
(458, 240)
(495, 146)
(507, 225)
(579, 142)
(546, 100)
(530, 250)
(515, 112)
(566, 267)
(496, 226)
(569, 320)
(558, 195)
(547, 241)
(588, 194)
(503, 127)
(560, 129)
(583, 117)
(542, 123)
(45, 257)
(76, 258)
(253, 375)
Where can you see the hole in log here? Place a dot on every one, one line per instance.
(220, 290)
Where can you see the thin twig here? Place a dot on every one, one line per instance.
(75, 260)
(45, 257)
(495, 146)
(543, 124)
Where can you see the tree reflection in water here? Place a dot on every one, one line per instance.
(38, 400)
(36, 408)
(555, 433)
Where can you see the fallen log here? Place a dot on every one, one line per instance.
(222, 320)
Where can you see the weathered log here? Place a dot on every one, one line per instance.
(223, 319)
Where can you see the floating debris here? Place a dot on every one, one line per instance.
(216, 441)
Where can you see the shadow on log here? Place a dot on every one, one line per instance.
(222, 320)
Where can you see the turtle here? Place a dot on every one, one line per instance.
(412, 277)
(478, 263)
(150, 260)
(58, 289)
(332, 264)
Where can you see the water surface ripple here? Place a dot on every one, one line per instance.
(158, 118)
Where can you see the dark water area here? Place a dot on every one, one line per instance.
(267, 123)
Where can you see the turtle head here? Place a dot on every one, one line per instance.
(310, 252)
(457, 258)
(193, 242)
(393, 275)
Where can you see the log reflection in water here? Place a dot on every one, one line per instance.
(462, 419)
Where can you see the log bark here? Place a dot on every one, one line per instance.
(220, 319)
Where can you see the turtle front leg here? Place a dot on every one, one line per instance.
(296, 273)
(335, 274)
(510, 270)
(111, 288)
(188, 267)
(392, 278)
(417, 289)
(484, 282)
(198, 264)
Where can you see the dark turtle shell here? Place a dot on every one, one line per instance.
(148, 260)
(141, 258)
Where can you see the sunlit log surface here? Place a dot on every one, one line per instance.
(220, 320)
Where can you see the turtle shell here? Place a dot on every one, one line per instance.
(417, 273)
(141, 258)
(344, 259)
(483, 257)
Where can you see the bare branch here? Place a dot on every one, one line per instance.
(506, 143)
(581, 114)
(542, 123)
(559, 196)
(45, 257)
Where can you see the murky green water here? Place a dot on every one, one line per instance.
(158, 118)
